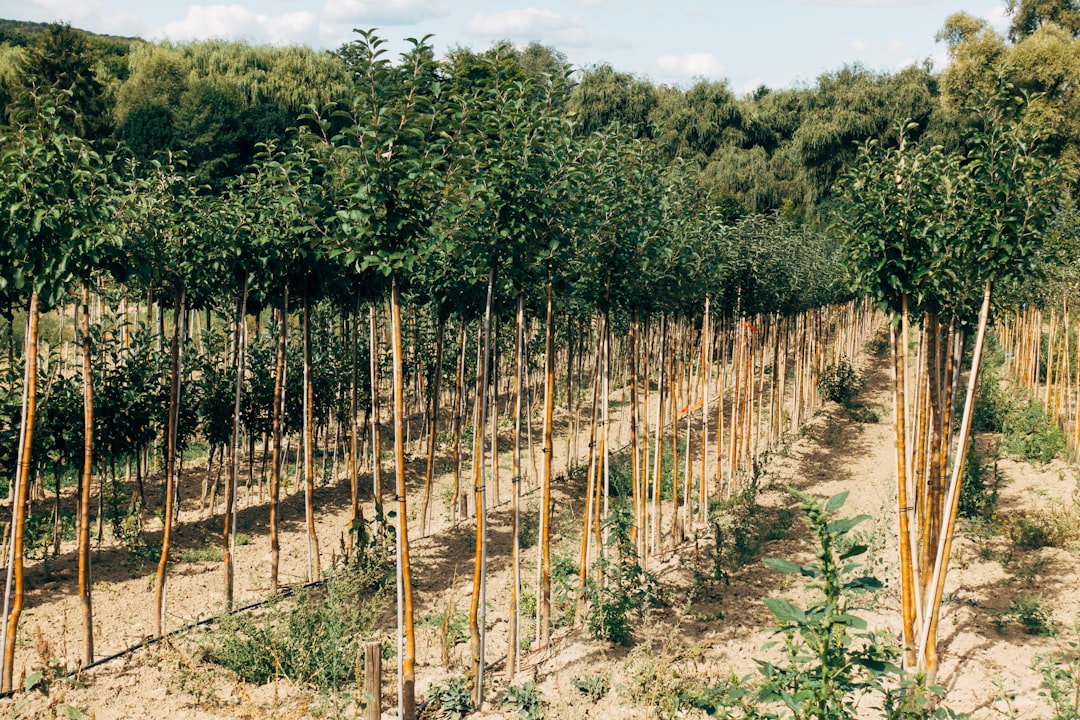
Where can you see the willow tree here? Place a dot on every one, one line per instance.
(929, 234)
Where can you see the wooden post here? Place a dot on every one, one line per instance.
(372, 681)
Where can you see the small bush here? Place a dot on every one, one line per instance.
(1027, 610)
(979, 489)
(618, 586)
(313, 638)
(1051, 527)
(740, 528)
(525, 700)
(594, 687)
(839, 382)
(449, 701)
(1031, 435)
(1061, 679)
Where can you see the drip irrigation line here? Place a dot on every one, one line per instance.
(284, 592)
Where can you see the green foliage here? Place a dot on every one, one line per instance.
(1031, 435)
(312, 639)
(980, 485)
(1061, 678)
(1027, 610)
(1043, 527)
(593, 687)
(838, 382)
(451, 700)
(618, 586)
(831, 663)
(525, 701)
(741, 527)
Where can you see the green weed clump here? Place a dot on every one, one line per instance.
(839, 382)
(1061, 678)
(619, 587)
(740, 528)
(1027, 610)
(1056, 527)
(314, 638)
(831, 666)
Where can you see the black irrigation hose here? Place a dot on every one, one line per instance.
(284, 592)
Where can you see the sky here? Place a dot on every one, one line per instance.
(748, 43)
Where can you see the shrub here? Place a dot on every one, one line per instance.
(312, 639)
(979, 489)
(525, 700)
(1031, 435)
(839, 382)
(618, 585)
(449, 701)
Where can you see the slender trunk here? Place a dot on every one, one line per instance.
(433, 424)
(478, 604)
(170, 462)
(406, 636)
(277, 417)
(19, 495)
(907, 575)
(376, 444)
(85, 578)
(515, 527)
(543, 607)
(228, 536)
(932, 604)
(457, 504)
(314, 569)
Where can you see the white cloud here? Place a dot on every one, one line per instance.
(384, 12)
(859, 46)
(233, 22)
(88, 14)
(863, 2)
(690, 65)
(895, 46)
(529, 24)
(999, 19)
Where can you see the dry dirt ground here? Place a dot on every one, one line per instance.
(704, 630)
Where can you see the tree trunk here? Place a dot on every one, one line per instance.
(277, 417)
(85, 578)
(543, 607)
(477, 608)
(406, 636)
(433, 425)
(172, 432)
(314, 570)
(228, 536)
(515, 527)
(19, 495)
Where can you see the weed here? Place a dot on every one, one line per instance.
(981, 483)
(1048, 527)
(1031, 435)
(525, 700)
(312, 639)
(1027, 610)
(740, 530)
(594, 687)
(205, 554)
(46, 674)
(655, 680)
(839, 382)
(451, 627)
(1061, 678)
(449, 701)
(829, 661)
(618, 585)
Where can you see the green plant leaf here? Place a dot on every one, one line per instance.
(837, 501)
(784, 566)
(785, 611)
(32, 680)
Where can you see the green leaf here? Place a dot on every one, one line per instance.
(784, 566)
(785, 611)
(32, 680)
(836, 501)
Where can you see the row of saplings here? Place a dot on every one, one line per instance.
(829, 665)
